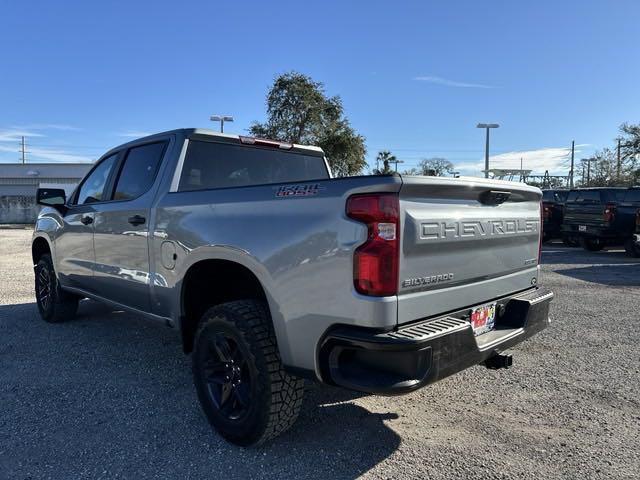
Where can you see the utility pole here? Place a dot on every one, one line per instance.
(619, 161)
(23, 151)
(573, 144)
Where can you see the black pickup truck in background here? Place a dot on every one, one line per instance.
(598, 217)
(552, 212)
(632, 244)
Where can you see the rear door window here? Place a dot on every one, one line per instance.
(210, 165)
(139, 170)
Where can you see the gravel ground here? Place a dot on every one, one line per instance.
(109, 395)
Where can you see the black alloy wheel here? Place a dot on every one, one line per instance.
(227, 376)
(241, 383)
(43, 288)
(54, 304)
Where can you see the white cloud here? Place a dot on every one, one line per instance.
(553, 159)
(450, 83)
(10, 139)
(49, 126)
(134, 134)
(15, 134)
(47, 154)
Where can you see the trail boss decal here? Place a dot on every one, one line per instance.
(306, 190)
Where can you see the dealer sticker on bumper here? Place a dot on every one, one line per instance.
(483, 319)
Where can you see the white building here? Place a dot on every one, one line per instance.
(19, 181)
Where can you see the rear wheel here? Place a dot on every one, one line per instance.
(592, 244)
(54, 304)
(243, 389)
(632, 248)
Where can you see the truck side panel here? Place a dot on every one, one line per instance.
(300, 248)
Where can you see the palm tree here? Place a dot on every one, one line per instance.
(386, 158)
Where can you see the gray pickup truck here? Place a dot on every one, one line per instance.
(272, 271)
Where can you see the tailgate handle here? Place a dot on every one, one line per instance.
(494, 197)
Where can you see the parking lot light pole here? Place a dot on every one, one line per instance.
(487, 127)
(221, 119)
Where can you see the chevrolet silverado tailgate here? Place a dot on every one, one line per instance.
(464, 242)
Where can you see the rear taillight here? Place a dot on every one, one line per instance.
(609, 213)
(541, 233)
(547, 211)
(375, 262)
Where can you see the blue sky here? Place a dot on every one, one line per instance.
(415, 77)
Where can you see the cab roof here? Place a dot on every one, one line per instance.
(204, 133)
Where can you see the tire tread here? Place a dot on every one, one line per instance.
(285, 391)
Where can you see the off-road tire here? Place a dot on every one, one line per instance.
(591, 244)
(60, 305)
(275, 396)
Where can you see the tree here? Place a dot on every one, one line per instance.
(630, 153)
(436, 167)
(384, 159)
(298, 111)
(609, 169)
(603, 169)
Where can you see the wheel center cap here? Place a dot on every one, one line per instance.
(233, 372)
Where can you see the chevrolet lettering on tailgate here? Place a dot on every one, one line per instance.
(476, 228)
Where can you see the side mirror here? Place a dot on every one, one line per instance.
(51, 197)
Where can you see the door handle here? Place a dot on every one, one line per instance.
(86, 220)
(137, 220)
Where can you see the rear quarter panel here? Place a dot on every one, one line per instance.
(300, 248)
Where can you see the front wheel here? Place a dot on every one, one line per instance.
(592, 244)
(54, 304)
(242, 387)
